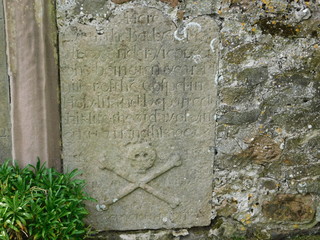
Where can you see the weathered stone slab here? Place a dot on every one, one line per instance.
(138, 106)
(5, 139)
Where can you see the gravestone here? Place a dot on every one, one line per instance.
(138, 107)
(5, 139)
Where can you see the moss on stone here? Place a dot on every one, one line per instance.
(297, 120)
(275, 27)
(315, 237)
(238, 118)
(233, 95)
(240, 54)
(289, 208)
(253, 76)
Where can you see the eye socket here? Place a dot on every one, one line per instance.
(145, 154)
(137, 155)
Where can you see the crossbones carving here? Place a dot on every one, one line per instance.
(174, 161)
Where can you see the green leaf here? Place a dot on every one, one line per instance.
(42, 202)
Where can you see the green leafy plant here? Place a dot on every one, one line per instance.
(40, 203)
(237, 238)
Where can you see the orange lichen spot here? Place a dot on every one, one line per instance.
(253, 29)
(219, 12)
(180, 14)
(287, 161)
(278, 130)
(273, 22)
(297, 30)
(316, 46)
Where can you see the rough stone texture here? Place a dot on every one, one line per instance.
(289, 208)
(265, 101)
(120, 1)
(33, 74)
(138, 106)
(5, 135)
(173, 3)
(269, 66)
(268, 98)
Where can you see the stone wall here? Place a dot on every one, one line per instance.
(267, 162)
(266, 145)
(206, 127)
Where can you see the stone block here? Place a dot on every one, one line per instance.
(138, 106)
(32, 60)
(5, 128)
(290, 208)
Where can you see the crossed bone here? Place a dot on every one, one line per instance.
(142, 183)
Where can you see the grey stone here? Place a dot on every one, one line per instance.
(32, 60)
(5, 135)
(196, 7)
(236, 118)
(253, 76)
(138, 106)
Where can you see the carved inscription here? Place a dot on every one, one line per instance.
(138, 107)
(143, 159)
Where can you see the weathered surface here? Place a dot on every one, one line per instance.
(5, 135)
(138, 105)
(34, 86)
(267, 117)
(289, 208)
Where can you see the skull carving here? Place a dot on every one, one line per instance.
(142, 157)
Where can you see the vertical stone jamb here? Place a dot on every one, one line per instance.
(5, 137)
(33, 70)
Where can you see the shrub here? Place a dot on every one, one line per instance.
(40, 203)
